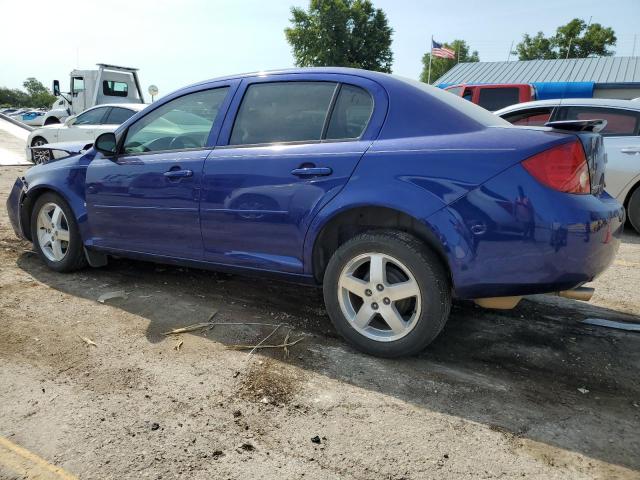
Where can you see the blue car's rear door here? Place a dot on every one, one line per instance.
(292, 145)
(146, 199)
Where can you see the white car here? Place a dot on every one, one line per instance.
(30, 117)
(621, 138)
(83, 127)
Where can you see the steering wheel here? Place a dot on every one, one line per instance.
(134, 146)
(184, 141)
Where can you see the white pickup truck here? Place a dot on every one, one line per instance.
(88, 88)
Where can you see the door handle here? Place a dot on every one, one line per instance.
(175, 174)
(630, 150)
(312, 172)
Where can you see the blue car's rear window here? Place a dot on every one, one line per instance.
(476, 113)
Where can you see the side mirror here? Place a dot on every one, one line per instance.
(70, 120)
(56, 88)
(106, 144)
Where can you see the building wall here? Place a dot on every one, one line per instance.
(618, 93)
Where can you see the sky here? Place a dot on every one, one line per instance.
(178, 42)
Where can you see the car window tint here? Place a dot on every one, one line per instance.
(531, 118)
(282, 112)
(118, 115)
(181, 123)
(497, 98)
(455, 90)
(619, 122)
(350, 114)
(112, 88)
(91, 117)
(77, 84)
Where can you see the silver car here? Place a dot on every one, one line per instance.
(621, 138)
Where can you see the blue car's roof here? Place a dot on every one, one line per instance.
(378, 76)
(415, 108)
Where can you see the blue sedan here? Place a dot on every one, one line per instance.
(394, 196)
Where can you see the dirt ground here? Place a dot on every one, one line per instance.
(530, 392)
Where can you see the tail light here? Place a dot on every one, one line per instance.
(563, 168)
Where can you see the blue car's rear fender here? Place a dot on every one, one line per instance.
(513, 236)
(419, 176)
(465, 191)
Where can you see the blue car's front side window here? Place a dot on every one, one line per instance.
(184, 122)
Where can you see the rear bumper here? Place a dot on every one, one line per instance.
(513, 236)
(14, 207)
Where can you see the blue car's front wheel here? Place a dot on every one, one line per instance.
(55, 235)
(387, 293)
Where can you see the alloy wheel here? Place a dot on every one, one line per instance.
(379, 297)
(53, 232)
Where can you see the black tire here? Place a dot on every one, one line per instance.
(52, 121)
(426, 268)
(74, 258)
(633, 209)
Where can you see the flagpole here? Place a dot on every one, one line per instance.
(430, 57)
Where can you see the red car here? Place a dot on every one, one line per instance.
(495, 96)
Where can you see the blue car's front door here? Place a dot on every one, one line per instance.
(146, 199)
(291, 147)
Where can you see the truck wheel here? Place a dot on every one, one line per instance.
(55, 234)
(387, 293)
(41, 155)
(51, 121)
(633, 209)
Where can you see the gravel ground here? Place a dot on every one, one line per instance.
(498, 395)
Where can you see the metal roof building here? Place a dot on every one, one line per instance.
(613, 77)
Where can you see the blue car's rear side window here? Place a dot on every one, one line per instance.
(350, 114)
(282, 112)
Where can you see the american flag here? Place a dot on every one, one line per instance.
(437, 50)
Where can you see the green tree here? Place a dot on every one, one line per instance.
(36, 95)
(345, 33)
(575, 38)
(440, 66)
(537, 47)
(39, 95)
(12, 97)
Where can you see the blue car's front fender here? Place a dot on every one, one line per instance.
(66, 177)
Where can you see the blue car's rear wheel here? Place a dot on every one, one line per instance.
(387, 293)
(55, 235)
